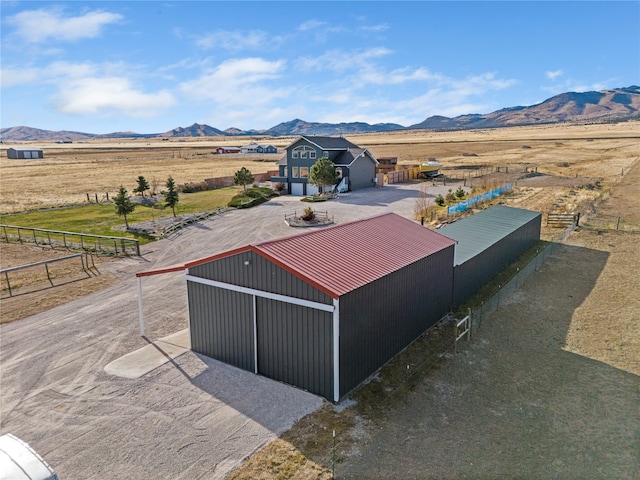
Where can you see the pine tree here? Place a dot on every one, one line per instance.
(124, 205)
(171, 195)
(243, 177)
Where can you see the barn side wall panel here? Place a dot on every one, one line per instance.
(295, 345)
(472, 275)
(221, 324)
(259, 274)
(380, 319)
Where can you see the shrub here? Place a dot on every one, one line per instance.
(309, 214)
(440, 200)
(460, 193)
(279, 187)
(450, 196)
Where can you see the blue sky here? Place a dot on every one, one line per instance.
(148, 66)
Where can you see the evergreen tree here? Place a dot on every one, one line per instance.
(143, 186)
(171, 195)
(124, 205)
(243, 177)
(323, 173)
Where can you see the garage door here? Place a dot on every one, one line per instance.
(311, 189)
(295, 345)
(296, 189)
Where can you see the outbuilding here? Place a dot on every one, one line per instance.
(25, 153)
(487, 243)
(325, 309)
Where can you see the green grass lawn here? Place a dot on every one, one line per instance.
(100, 219)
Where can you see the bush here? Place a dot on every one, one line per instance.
(252, 197)
(460, 193)
(279, 187)
(440, 200)
(193, 187)
(450, 196)
(309, 214)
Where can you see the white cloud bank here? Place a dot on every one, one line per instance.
(38, 26)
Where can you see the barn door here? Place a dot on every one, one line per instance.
(295, 345)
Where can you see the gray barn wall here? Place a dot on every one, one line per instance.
(472, 275)
(221, 324)
(380, 319)
(260, 274)
(295, 345)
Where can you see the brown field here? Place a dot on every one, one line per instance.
(547, 388)
(70, 171)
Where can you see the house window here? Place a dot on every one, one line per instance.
(294, 154)
(339, 172)
(325, 154)
(294, 172)
(303, 154)
(312, 154)
(304, 172)
(303, 151)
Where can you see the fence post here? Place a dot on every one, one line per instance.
(6, 274)
(88, 198)
(46, 267)
(97, 198)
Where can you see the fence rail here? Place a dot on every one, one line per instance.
(84, 262)
(563, 220)
(98, 244)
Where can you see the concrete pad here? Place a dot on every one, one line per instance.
(142, 361)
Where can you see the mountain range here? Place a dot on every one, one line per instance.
(619, 104)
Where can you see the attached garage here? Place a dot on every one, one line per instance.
(325, 309)
(487, 243)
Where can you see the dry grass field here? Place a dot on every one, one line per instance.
(546, 389)
(70, 171)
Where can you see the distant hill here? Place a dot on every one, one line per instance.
(604, 106)
(607, 105)
(300, 127)
(195, 130)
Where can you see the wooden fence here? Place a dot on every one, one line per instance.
(98, 244)
(563, 220)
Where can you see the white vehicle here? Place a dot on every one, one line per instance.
(18, 461)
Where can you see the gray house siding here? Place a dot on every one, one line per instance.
(380, 319)
(295, 345)
(260, 274)
(361, 173)
(221, 324)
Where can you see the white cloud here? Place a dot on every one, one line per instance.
(238, 82)
(341, 61)
(11, 77)
(110, 96)
(234, 41)
(37, 26)
(311, 25)
(552, 75)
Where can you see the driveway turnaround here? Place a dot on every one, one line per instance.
(160, 412)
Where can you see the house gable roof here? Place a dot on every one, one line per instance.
(342, 258)
(350, 155)
(325, 143)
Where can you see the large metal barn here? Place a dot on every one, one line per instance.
(325, 309)
(487, 243)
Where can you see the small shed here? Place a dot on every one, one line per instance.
(325, 309)
(487, 243)
(25, 153)
(387, 164)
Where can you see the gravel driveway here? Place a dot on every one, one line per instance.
(192, 418)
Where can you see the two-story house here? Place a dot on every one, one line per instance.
(355, 166)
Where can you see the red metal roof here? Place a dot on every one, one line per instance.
(344, 257)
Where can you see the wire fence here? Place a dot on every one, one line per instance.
(600, 221)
